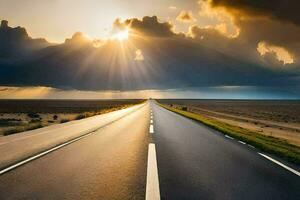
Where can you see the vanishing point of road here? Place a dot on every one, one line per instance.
(146, 152)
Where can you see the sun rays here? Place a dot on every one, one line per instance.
(121, 35)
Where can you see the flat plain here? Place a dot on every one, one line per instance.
(21, 115)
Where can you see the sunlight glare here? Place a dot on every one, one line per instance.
(122, 35)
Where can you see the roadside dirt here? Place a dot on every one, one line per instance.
(287, 131)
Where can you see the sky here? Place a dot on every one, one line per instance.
(59, 19)
(141, 49)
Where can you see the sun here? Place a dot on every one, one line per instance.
(122, 35)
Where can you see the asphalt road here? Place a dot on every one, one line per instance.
(196, 162)
(187, 161)
(109, 164)
(22, 145)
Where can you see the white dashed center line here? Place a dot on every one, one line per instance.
(229, 137)
(241, 142)
(152, 185)
(151, 129)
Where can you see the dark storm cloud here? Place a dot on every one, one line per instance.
(214, 39)
(17, 41)
(170, 61)
(243, 47)
(151, 26)
(287, 10)
(275, 32)
(275, 22)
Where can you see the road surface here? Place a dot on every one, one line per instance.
(151, 156)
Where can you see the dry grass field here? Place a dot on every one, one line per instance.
(22, 115)
(274, 118)
(286, 111)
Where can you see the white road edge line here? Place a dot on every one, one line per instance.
(7, 169)
(241, 142)
(280, 164)
(41, 154)
(229, 137)
(151, 129)
(152, 185)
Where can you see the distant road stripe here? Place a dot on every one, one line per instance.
(151, 129)
(251, 146)
(151, 121)
(229, 137)
(152, 185)
(241, 142)
(151, 117)
(41, 154)
(280, 164)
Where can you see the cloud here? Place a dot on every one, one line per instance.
(16, 41)
(248, 46)
(118, 26)
(276, 33)
(172, 7)
(213, 38)
(278, 9)
(151, 26)
(25, 92)
(242, 20)
(243, 43)
(4, 24)
(186, 17)
(221, 18)
(223, 92)
(139, 55)
(281, 54)
(78, 38)
(204, 58)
